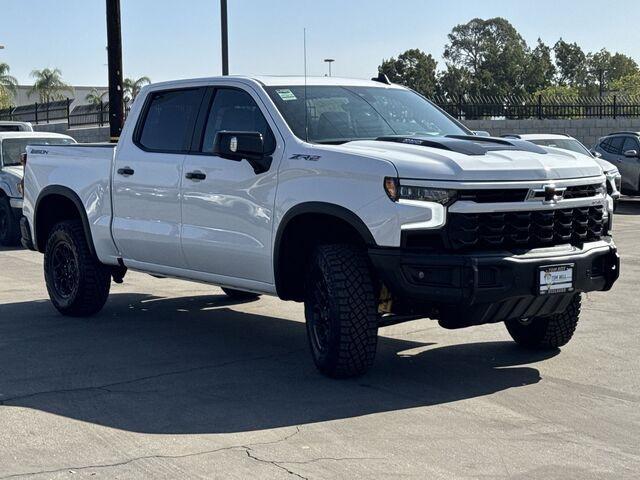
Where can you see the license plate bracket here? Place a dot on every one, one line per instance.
(554, 279)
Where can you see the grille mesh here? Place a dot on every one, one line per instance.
(527, 229)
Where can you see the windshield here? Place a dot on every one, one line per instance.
(338, 114)
(12, 148)
(565, 144)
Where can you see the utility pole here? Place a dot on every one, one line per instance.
(225, 37)
(114, 54)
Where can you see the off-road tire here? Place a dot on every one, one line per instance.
(547, 333)
(339, 294)
(240, 294)
(9, 226)
(90, 281)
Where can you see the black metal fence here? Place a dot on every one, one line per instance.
(60, 111)
(463, 108)
(537, 106)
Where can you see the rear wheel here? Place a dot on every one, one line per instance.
(9, 226)
(547, 332)
(240, 294)
(340, 310)
(78, 284)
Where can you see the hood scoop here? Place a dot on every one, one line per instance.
(466, 144)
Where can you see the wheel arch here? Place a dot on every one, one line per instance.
(329, 222)
(61, 196)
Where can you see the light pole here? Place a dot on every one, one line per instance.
(329, 61)
(114, 53)
(224, 33)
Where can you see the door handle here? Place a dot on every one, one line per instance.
(126, 171)
(197, 175)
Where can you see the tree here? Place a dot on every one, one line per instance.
(49, 85)
(540, 69)
(627, 85)
(491, 54)
(132, 87)
(414, 69)
(571, 63)
(8, 85)
(94, 97)
(604, 68)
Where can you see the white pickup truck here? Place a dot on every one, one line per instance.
(359, 198)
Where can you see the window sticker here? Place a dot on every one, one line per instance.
(286, 94)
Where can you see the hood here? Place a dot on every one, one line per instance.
(425, 162)
(16, 171)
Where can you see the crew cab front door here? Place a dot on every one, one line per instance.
(147, 178)
(227, 208)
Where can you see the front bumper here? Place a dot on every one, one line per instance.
(485, 287)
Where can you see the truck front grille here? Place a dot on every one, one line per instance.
(528, 229)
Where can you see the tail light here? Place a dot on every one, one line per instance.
(23, 161)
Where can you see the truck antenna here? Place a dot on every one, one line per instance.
(306, 114)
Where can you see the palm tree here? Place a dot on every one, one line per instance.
(94, 97)
(49, 85)
(132, 87)
(8, 83)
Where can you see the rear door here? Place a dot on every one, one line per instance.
(227, 208)
(147, 179)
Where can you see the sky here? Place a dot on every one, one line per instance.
(169, 39)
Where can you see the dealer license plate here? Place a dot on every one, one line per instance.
(555, 279)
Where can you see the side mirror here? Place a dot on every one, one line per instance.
(240, 146)
(596, 154)
(481, 133)
(631, 153)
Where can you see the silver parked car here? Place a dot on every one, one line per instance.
(622, 149)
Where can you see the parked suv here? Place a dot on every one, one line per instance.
(622, 149)
(359, 198)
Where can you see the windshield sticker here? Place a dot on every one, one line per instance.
(286, 94)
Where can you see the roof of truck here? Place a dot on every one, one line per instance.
(275, 81)
(4, 135)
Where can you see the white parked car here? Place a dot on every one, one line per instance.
(567, 142)
(12, 145)
(6, 126)
(359, 198)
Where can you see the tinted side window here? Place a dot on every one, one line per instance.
(169, 120)
(630, 143)
(615, 145)
(235, 110)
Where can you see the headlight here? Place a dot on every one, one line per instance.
(396, 192)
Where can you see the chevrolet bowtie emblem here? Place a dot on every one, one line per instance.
(548, 194)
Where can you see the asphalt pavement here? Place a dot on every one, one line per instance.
(174, 380)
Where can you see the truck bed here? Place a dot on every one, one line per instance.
(80, 169)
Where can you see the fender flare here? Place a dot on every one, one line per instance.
(324, 208)
(66, 192)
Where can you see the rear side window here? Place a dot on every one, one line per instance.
(235, 111)
(630, 143)
(169, 120)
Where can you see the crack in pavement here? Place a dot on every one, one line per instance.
(106, 387)
(245, 448)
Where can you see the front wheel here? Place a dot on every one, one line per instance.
(78, 284)
(547, 333)
(340, 310)
(9, 227)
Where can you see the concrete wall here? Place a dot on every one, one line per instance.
(586, 130)
(82, 135)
